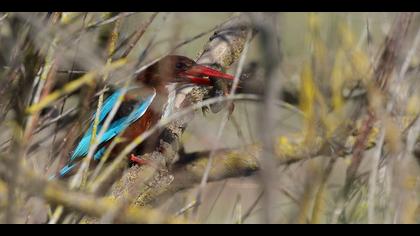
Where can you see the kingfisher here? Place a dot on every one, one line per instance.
(138, 113)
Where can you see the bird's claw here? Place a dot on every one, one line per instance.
(138, 160)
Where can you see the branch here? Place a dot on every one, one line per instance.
(54, 193)
(228, 163)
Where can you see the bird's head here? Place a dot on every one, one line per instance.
(179, 69)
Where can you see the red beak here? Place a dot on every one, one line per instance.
(197, 74)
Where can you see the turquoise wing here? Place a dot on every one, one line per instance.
(115, 127)
(113, 130)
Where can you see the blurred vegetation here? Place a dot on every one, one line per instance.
(346, 142)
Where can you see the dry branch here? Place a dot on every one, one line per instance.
(55, 193)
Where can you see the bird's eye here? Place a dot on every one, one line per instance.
(179, 65)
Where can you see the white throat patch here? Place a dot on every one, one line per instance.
(169, 107)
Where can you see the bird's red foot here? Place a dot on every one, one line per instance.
(138, 160)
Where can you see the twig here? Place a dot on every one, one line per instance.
(272, 54)
(186, 208)
(409, 56)
(224, 121)
(109, 20)
(219, 193)
(95, 139)
(252, 207)
(3, 17)
(137, 35)
(373, 177)
(72, 86)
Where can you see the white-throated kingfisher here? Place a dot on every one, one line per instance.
(135, 114)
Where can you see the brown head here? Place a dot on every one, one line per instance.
(178, 69)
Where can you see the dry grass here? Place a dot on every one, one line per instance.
(325, 126)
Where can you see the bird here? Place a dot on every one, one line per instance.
(137, 113)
